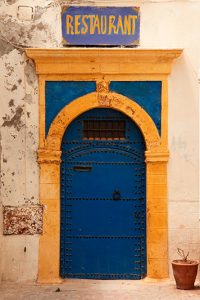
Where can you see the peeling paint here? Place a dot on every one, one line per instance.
(22, 219)
(9, 68)
(40, 26)
(10, 2)
(11, 103)
(14, 35)
(14, 87)
(15, 121)
(4, 160)
(5, 47)
(29, 71)
(39, 11)
(28, 98)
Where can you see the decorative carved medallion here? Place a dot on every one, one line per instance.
(103, 89)
(104, 100)
(49, 156)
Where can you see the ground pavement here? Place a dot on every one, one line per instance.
(97, 290)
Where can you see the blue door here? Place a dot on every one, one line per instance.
(103, 207)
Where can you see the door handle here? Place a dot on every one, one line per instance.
(116, 195)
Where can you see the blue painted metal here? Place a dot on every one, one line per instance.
(103, 236)
(100, 26)
(146, 93)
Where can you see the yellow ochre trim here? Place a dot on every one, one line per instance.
(103, 61)
(99, 65)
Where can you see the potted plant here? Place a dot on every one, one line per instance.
(185, 271)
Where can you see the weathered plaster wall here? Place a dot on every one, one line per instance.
(19, 124)
(176, 29)
(164, 24)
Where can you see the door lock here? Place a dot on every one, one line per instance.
(116, 195)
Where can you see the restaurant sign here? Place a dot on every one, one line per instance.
(114, 26)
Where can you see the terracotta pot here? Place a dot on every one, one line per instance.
(185, 273)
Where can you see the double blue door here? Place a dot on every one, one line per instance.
(103, 208)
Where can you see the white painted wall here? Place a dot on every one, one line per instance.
(164, 24)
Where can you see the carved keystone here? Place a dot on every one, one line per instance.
(103, 89)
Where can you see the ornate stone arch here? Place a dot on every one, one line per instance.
(95, 64)
(102, 100)
(49, 158)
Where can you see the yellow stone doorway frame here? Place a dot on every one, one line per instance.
(103, 66)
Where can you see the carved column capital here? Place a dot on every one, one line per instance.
(161, 156)
(49, 156)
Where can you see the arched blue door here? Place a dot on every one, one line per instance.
(103, 207)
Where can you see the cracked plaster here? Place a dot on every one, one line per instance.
(19, 125)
